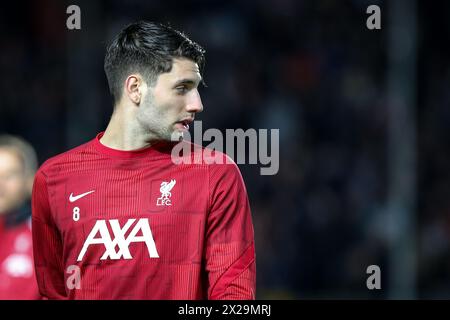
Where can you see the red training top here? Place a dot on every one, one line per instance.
(111, 224)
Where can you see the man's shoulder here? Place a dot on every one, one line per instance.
(220, 166)
(70, 156)
(198, 154)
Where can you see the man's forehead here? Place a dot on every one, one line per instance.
(184, 68)
(184, 64)
(10, 155)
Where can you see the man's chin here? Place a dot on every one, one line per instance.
(177, 136)
(6, 209)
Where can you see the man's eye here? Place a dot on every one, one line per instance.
(182, 89)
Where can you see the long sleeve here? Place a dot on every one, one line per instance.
(47, 244)
(230, 251)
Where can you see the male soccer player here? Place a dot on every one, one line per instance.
(17, 167)
(117, 217)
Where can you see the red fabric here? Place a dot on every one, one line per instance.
(232, 274)
(17, 278)
(126, 240)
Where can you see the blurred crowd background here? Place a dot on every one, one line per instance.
(309, 68)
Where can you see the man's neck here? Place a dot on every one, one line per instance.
(124, 132)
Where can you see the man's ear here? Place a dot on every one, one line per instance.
(134, 87)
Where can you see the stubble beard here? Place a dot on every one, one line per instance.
(154, 123)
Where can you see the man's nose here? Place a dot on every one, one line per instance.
(194, 102)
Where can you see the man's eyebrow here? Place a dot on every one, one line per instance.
(188, 81)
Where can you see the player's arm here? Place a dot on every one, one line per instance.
(230, 250)
(47, 244)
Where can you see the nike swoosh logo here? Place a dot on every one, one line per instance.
(73, 198)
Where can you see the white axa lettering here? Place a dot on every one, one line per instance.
(119, 239)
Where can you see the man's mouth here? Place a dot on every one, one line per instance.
(184, 124)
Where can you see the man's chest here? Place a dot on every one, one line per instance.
(122, 214)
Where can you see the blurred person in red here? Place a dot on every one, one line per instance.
(17, 168)
(116, 218)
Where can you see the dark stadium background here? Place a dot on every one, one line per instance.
(363, 116)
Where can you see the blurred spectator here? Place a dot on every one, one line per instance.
(17, 167)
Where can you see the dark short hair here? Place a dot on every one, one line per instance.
(149, 49)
